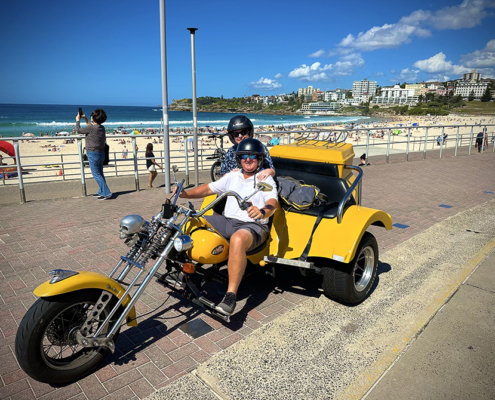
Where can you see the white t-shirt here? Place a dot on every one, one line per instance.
(244, 187)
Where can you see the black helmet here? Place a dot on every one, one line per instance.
(251, 146)
(240, 122)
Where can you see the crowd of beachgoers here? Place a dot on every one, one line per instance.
(53, 150)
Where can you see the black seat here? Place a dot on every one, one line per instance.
(323, 176)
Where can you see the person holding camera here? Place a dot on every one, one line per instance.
(95, 148)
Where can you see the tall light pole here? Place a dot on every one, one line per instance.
(166, 144)
(195, 109)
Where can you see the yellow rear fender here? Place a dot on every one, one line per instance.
(291, 232)
(87, 280)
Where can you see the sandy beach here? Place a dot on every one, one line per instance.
(52, 151)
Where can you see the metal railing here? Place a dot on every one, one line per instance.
(383, 140)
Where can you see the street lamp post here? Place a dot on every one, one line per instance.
(195, 110)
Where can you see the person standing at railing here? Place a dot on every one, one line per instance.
(95, 148)
(151, 164)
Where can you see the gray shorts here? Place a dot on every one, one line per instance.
(228, 226)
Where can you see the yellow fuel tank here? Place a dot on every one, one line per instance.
(209, 246)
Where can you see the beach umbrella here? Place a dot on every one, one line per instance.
(7, 147)
(63, 133)
(135, 132)
(265, 139)
(415, 124)
(28, 134)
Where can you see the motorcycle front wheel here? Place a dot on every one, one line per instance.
(215, 171)
(46, 346)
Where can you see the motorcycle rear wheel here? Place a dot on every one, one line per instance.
(45, 344)
(215, 171)
(351, 283)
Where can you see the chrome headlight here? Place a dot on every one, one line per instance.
(61, 274)
(183, 243)
(130, 225)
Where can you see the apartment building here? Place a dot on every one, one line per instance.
(464, 89)
(307, 91)
(416, 87)
(473, 76)
(364, 88)
(320, 106)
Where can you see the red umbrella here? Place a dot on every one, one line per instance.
(7, 147)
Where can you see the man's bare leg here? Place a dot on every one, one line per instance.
(240, 242)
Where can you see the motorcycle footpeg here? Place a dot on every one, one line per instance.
(95, 341)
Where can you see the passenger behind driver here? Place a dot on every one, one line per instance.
(241, 128)
(245, 230)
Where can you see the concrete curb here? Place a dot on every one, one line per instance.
(372, 375)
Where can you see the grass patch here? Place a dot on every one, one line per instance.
(477, 107)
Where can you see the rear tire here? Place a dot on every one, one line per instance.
(350, 283)
(215, 171)
(45, 344)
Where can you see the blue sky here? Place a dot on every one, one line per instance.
(108, 52)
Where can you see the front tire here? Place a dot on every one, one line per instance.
(350, 283)
(215, 171)
(45, 344)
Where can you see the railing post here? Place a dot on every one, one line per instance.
(388, 146)
(441, 141)
(19, 171)
(81, 165)
(115, 160)
(367, 145)
(136, 173)
(408, 141)
(187, 160)
(426, 144)
(483, 141)
(470, 140)
(63, 169)
(456, 141)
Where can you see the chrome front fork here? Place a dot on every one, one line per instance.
(96, 340)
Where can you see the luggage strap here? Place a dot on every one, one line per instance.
(304, 255)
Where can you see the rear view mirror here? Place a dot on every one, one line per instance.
(264, 187)
(174, 168)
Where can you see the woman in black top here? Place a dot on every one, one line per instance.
(151, 164)
(95, 148)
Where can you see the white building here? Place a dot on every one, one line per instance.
(464, 89)
(473, 76)
(320, 106)
(307, 91)
(364, 88)
(334, 95)
(396, 95)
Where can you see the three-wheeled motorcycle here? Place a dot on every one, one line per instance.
(75, 322)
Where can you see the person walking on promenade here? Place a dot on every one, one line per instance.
(479, 141)
(125, 152)
(95, 148)
(151, 164)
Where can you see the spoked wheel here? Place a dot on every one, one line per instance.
(46, 345)
(350, 283)
(215, 171)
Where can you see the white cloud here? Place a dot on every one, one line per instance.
(484, 58)
(405, 75)
(278, 76)
(316, 73)
(438, 64)
(466, 15)
(265, 84)
(318, 53)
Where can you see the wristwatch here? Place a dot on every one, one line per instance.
(263, 212)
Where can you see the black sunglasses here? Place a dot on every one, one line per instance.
(241, 133)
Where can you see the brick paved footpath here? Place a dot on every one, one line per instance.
(82, 234)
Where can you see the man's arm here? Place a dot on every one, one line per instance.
(269, 208)
(196, 193)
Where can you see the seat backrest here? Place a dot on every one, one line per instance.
(323, 176)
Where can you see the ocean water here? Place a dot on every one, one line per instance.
(37, 118)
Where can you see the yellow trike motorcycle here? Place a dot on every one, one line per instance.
(75, 322)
